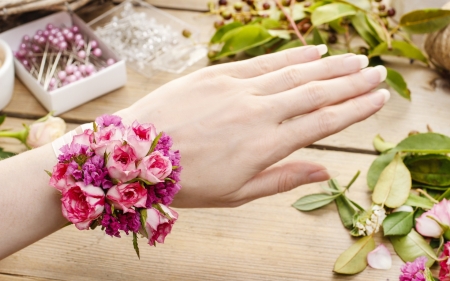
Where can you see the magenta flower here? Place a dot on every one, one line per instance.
(158, 225)
(140, 137)
(125, 196)
(429, 227)
(444, 273)
(106, 120)
(155, 167)
(414, 271)
(121, 163)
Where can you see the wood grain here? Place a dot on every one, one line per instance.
(264, 240)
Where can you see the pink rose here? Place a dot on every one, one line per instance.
(121, 163)
(125, 196)
(159, 225)
(81, 204)
(429, 227)
(104, 137)
(155, 167)
(60, 179)
(85, 138)
(140, 137)
(444, 273)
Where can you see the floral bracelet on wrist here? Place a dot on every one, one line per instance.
(122, 178)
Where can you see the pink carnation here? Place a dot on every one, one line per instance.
(414, 271)
(60, 179)
(121, 163)
(140, 137)
(125, 196)
(84, 138)
(444, 273)
(429, 227)
(106, 120)
(81, 204)
(155, 167)
(158, 225)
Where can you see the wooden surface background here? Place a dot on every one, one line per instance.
(264, 240)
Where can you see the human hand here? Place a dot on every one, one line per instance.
(232, 122)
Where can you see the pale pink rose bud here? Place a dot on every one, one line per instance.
(104, 137)
(428, 226)
(158, 225)
(45, 131)
(81, 204)
(141, 136)
(121, 163)
(155, 167)
(125, 196)
(59, 179)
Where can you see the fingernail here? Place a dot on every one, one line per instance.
(323, 49)
(322, 175)
(375, 75)
(380, 97)
(354, 63)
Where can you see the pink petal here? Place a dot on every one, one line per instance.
(428, 227)
(380, 258)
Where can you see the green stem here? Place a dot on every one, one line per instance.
(19, 135)
(353, 180)
(424, 193)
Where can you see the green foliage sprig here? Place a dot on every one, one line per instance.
(355, 26)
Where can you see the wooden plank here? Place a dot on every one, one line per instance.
(266, 239)
(194, 5)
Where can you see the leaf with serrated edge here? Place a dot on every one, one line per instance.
(354, 259)
(412, 246)
(313, 201)
(398, 223)
(394, 184)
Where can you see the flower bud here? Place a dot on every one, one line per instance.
(45, 130)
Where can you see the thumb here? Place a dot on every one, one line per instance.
(282, 178)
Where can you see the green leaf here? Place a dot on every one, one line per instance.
(425, 21)
(381, 145)
(394, 184)
(292, 44)
(135, 245)
(318, 40)
(398, 223)
(5, 154)
(48, 173)
(313, 201)
(298, 12)
(412, 246)
(220, 32)
(265, 48)
(361, 4)
(377, 30)
(359, 22)
(418, 201)
(284, 34)
(270, 23)
(445, 195)
(154, 143)
(396, 81)
(378, 166)
(432, 169)
(337, 26)
(330, 12)
(354, 259)
(243, 38)
(345, 210)
(316, 5)
(399, 48)
(2, 119)
(143, 217)
(425, 143)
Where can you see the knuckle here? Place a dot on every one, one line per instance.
(262, 65)
(316, 94)
(327, 66)
(327, 123)
(357, 108)
(292, 77)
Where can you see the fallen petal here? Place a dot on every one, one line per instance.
(380, 258)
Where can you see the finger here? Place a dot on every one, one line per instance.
(299, 74)
(268, 63)
(321, 123)
(282, 178)
(315, 95)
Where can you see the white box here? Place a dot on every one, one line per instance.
(76, 93)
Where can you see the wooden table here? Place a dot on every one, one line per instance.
(264, 240)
